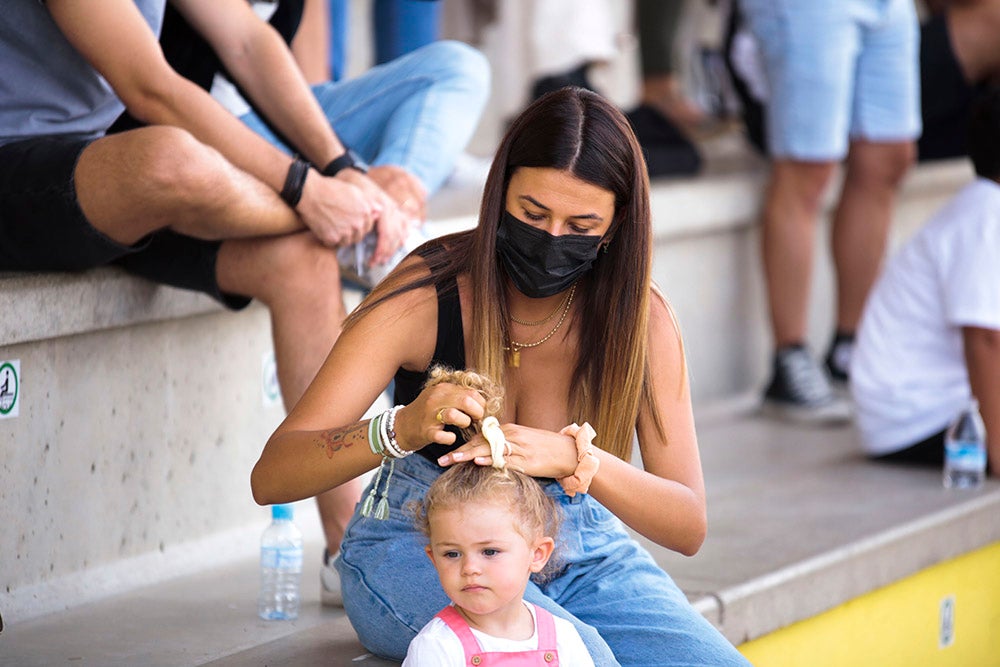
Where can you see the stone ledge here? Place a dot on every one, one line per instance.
(38, 306)
(800, 522)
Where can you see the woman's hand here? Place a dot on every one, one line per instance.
(424, 420)
(533, 451)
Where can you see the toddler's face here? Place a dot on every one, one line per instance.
(483, 561)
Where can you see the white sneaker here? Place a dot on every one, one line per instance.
(330, 594)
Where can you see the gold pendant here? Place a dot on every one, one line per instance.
(515, 357)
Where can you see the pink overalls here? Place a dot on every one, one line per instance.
(544, 656)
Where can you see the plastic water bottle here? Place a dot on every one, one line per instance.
(280, 567)
(965, 450)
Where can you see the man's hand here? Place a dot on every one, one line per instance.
(337, 211)
(405, 189)
(391, 224)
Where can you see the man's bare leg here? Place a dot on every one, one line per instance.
(862, 220)
(299, 281)
(137, 182)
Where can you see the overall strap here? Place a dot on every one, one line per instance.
(458, 625)
(546, 627)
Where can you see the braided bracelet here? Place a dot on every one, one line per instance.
(374, 442)
(295, 181)
(587, 463)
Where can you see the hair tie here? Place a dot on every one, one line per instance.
(587, 463)
(490, 428)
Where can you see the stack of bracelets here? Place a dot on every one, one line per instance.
(382, 435)
(382, 440)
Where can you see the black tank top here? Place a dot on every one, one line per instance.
(449, 350)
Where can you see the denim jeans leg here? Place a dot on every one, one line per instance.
(402, 26)
(417, 112)
(611, 583)
(390, 588)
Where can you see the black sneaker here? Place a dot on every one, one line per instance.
(838, 358)
(575, 77)
(800, 390)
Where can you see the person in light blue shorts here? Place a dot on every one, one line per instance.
(842, 84)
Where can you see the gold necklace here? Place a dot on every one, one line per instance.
(550, 316)
(514, 359)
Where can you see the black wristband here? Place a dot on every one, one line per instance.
(349, 160)
(295, 181)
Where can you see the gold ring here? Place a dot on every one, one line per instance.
(439, 417)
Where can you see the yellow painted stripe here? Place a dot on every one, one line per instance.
(900, 623)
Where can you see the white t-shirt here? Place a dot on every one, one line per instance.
(437, 646)
(908, 374)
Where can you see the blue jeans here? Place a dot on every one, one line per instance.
(400, 26)
(417, 112)
(627, 609)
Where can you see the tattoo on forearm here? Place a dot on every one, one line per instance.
(335, 439)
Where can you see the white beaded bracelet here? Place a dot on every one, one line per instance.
(387, 426)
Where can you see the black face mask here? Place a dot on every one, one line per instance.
(539, 263)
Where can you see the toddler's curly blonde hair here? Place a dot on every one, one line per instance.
(489, 389)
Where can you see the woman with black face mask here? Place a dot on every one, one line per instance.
(551, 297)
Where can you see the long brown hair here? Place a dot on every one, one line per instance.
(576, 131)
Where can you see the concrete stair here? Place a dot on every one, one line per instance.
(800, 524)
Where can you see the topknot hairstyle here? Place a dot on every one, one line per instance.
(490, 390)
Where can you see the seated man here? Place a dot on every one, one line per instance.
(930, 334)
(192, 197)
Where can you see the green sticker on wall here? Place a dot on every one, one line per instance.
(10, 388)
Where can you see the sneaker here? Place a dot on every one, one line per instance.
(353, 259)
(667, 151)
(329, 582)
(800, 390)
(838, 359)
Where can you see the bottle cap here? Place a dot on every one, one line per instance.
(282, 511)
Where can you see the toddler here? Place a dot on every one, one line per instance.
(490, 530)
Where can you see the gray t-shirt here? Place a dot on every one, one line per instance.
(46, 86)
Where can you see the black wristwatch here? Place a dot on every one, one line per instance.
(349, 159)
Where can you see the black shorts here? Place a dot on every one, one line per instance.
(42, 227)
(945, 96)
(928, 452)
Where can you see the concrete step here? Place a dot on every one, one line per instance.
(799, 524)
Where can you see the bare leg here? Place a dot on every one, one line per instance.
(299, 281)
(791, 206)
(862, 219)
(137, 182)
